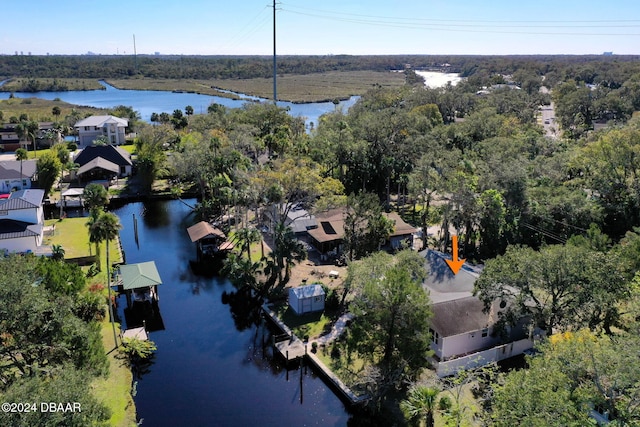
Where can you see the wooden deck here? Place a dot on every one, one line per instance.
(136, 333)
(292, 348)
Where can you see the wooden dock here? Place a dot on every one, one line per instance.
(292, 348)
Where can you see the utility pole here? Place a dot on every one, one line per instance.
(135, 54)
(275, 91)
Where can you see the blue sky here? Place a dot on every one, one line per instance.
(223, 27)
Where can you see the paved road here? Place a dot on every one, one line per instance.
(548, 118)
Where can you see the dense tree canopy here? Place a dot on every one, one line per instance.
(560, 287)
(573, 373)
(392, 311)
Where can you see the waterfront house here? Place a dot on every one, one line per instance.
(93, 127)
(10, 177)
(306, 299)
(9, 139)
(327, 237)
(102, 162)
(22, 221)
(298, 219)
(464, 335)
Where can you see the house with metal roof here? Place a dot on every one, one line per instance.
(463, 333)
(140, 282)
(22, 221)
(111, 127)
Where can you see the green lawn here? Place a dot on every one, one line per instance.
(73, 235)
(115, 390)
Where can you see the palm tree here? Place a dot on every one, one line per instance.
(247, 236)
(105, 226)
(287, 251)
(28, 129)
(21, 155)
(420, 404)
(241, 272)
(95, 197)
(57, 252)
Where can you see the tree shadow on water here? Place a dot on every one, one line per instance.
(245, 308)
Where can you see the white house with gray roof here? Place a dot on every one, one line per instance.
(463, 334)
(22, 221)
(111, 127)
(10, 177)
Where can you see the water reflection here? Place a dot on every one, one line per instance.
(155, 214)
(244, 307)
(214, 364)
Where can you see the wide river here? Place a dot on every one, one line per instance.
(146, 102)
(211, 368)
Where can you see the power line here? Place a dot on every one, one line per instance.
(470, 26)
(255, 24)
(612, 21)
(549, 234)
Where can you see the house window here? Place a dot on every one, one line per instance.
(4, 212)
(24, 182)
(485, 332)
(317, 299)
(434, 336)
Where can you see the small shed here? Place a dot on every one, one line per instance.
(140, 282)
(306, 299)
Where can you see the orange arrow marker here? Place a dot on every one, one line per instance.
(456, 264)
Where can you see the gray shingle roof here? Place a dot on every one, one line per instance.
(98, 163)
(10, 169)
(459, 316)
(441, 282)
(308, 291)
(110, 153)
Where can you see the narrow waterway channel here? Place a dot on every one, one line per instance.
(211, 368)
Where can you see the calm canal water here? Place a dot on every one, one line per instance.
(146, 101)
(210, 368)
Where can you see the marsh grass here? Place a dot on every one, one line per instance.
(299, 88)
(41, 109)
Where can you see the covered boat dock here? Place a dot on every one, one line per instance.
(140, 282)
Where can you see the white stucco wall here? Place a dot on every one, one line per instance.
(481, 358)
(21, 244)
(9, 184)
(463, 343)
(32, 215)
